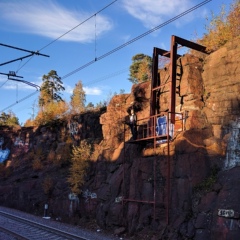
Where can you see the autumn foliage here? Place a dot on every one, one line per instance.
(222, 28)
(79, 164)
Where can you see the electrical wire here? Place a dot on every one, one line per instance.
(21, 100)
(68, 32)
(136, 38)
(79, 24)
(111, 75)
(3, 83)
(119, 47)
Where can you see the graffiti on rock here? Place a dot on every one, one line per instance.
(73, 128)
(19, 142)
(89, 195)
(119, 199)
(4, 155)
(233, 146)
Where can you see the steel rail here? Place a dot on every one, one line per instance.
(12, 234)
(37, 226)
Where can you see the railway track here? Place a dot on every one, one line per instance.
(24, 229)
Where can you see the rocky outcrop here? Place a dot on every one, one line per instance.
(190, 192)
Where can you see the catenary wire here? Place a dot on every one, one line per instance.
(3, 83)
(68, 32)
(111, 75)
(136, 38)
(121, 46)
(79, 24)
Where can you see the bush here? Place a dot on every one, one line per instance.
(79, 164)
(222, 28)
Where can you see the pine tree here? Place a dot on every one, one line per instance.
(51, 104)
(51, 88)
(140, 69)
(78, 98)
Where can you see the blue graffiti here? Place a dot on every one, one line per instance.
(4, 155)
(1, 142)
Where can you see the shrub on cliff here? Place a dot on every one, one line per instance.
(222, 28)
(79, 164)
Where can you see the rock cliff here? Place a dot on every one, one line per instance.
(185, 190)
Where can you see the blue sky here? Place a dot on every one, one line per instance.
(34, 25)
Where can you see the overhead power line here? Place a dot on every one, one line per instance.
(69, 32)
(111, 75)
(94, 15)
(118, 48)
(21, 100)
(137, 38)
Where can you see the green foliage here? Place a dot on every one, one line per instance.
(51, 104)
(222, 28)
(122, 91)
(206, 185)
(140, 69)
(50, 89)
(78, 98)
(9, 119)
(90, 105)
(79, 164)
(101, 105)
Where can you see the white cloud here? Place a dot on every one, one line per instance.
(154, 12)
(88, 90)
(13, 85)
(51, 20)
(92, 91)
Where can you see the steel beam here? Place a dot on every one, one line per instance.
(173, 65)
(192, 45)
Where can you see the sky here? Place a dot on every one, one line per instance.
(88, 40)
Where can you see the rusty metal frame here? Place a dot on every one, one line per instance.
(173, 62)
(155, 87)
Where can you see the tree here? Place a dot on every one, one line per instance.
(79, 164)
(78, 98)
(222, 28)
(9, 119)
(140, 69)
(50, 89)
(29, 123)
(51, 104)
(90, 105)
(101, 104)
(53, 111)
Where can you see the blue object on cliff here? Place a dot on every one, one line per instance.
(4, 155)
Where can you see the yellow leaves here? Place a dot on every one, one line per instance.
(144, 72)
(222, 28)
(78, 98)
(53, 110)
(79, 165)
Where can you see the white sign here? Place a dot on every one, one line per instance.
(228, 213)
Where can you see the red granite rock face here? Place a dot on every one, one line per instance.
(128, 188)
